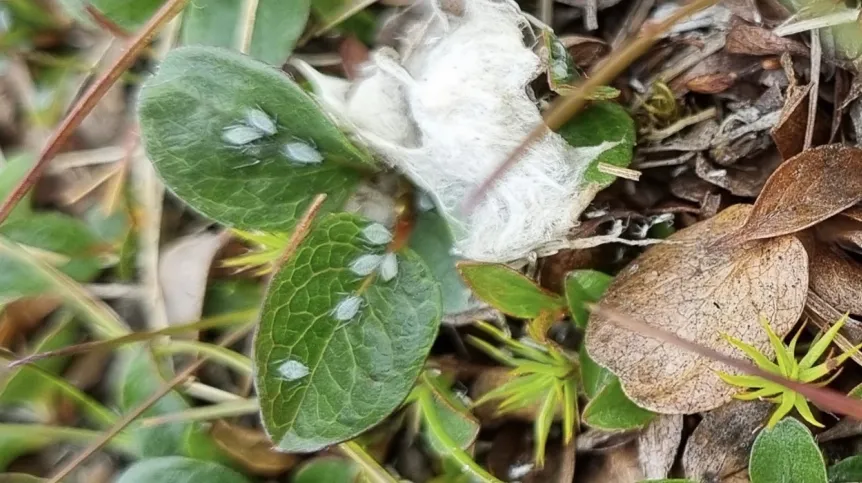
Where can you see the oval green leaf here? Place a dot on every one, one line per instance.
(277, 26)
(603, 121)
(848, 470)
(508, 291)
(187, 112)
(611, 409)
(176, 469)
(326, 468)
(583, 286)
(328, 368)
(786, 452)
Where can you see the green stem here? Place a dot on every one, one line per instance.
(228, 409)
(223, 355)
(35, 436)
(372, 468)
(426, 399)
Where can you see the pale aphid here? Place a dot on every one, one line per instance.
(377, 234)
(302, 153)
(292, 370)
(365, 264)
(389, 267)
(259, 120)
(239, 135)
(347, 309)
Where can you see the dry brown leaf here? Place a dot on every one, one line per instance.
(697, 289)
(251, 449)
(20, 317)
(841, 229)
(658, 444)
(617, 466)
(722, 441)
(789, 133)
(744, 38)
(745, 178)
(805, 190)
(712, 83)
(184, 268)
(836, 277)
(738, 477)
(823, 315)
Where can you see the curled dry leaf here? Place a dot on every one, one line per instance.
(697, 289)
(722, 441)
(184, 268)
(251, 449)
(836, 277)
(789, 133)
(808, 188)
(617, 466)
(658, 444)
(744, 38)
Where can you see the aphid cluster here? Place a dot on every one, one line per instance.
(385, 264)
(257, 125)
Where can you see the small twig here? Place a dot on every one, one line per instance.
(681, 124)
(814, 92)
(372, 469)
(567, 106)
(206, 393)
(825, 398)
(246, 30)
(618, 171)
(239, 407)
(138, 411)
(546, 11)
(105, 23)
(302, 229)
(88, 102)
(149, 193)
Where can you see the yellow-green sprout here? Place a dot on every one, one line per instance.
(805, 370)
(267, 249)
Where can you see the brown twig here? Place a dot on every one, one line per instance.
(106, 23)
(566, 107)
(302, 229)
(88, 101)
(138, 411)
(825, 398)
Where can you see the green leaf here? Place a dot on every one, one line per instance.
(786, 452)
(326, 468)
(432, 241)
(126, 14)
(175, 469)
(562, 72)
(457, 422)
(137, 379)
(583, 286)
(278, 25)
(229, 296)
(59, 234)
(327, 368)
(22, 388)
(612, 409)
(509, 291)
(593, 376)
(602, 121)
(12, 173)
(848, 470)
(198, 93)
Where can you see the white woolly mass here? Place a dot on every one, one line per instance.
(448, 107)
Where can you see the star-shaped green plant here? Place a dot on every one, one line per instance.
(803, 370)
(541, 375)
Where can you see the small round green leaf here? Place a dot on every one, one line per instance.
(611, 409)
(176, 469)
(784, 453)
(509, 291)
(848, 470)
(603, 121)
(194, 113)
(335, 354)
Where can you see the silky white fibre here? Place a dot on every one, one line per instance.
(447, 106)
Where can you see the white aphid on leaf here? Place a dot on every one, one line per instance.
(365, 264)
(261, 121)
(377, 234)
(240, 135)
(302, 153)
(347, 308)
(292, 370)
(389, 267)
(448, 106)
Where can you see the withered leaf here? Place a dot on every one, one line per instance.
(712, 83)
(251, 449)
(697, 289)
(836, 277)
(805, 190)
(658, 444)
(744, 38)
(721, 443)
(789, 132)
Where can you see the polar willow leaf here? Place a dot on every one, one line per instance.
(223, 161)
(362, 358)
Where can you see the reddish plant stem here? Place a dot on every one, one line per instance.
(89, 100)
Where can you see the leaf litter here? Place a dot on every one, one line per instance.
(723, 106)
